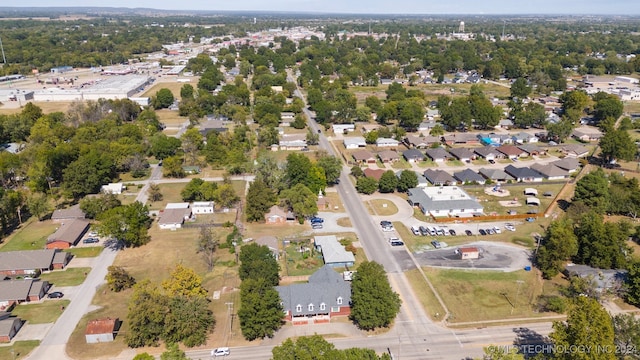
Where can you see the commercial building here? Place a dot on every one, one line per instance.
(442, 201)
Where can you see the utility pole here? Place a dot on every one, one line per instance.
(230, 313)
(4, 59)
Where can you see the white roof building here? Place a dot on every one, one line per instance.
(442, 201)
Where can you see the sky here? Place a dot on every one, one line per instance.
(596, 7)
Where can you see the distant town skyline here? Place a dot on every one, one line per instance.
(475, 7)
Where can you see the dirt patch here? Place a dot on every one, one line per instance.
(497, 191)
(511, 203)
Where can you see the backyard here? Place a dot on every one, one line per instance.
(45, 312)
(31, 235)
(66, 277)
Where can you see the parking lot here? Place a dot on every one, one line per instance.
(493, 256)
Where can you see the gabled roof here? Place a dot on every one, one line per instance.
(354, 140)
(462, 153)
(363, 155)
(510, 150)
(386, 141)
(15, 290)
(173, 216)
(549, 170)
(568, 163)
(438, 177)
(486, 150)
(522, 173)
(277, 211)
(101, 326)
(269, 241)
(413, 154)
(575, 148)
(332, 251)
(530, 148)
(27, 259)
(388, 155)
(374, 173)
(468, 175)
(461, 138)
(73, 212)
(69, 231)
(495, 174)
(7, 325)
(437, 153)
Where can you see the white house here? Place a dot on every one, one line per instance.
(354, 142)
(113, 188)
(202, 207)
(342, 128)
(387, 142)
(441, 201)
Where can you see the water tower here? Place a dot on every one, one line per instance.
(461, 27)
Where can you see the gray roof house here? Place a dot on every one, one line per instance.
(604, 279)
(325, 295)
(31, 261)
(413, 155)
(495, 174)
(19, 291)
(363, 156)
(439, 177)
(438, 154)
(9, 327)
(570, 164)
(354, 142)
(333, 252)
(271, 242)
(489, 153)
(550, 172)
(420, 142)
(463, 154)
(523, 174)
(469, 176)
(523, 138)
(575, 150)
(531, 149)
(73, 212)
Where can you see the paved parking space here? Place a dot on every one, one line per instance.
(32, 332)
(493, 256)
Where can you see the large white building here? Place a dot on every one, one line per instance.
(111, 88)
(442, 201)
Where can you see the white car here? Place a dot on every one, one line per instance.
(222, 351)
(510, 227)
(497, 230)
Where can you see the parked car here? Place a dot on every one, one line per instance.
(490, 231)
(424, 231)
(468, 232)
(416, 230)
(440, 232)
(384, 223)
(491, 161)
(394, 241)
(55, 295)
(452, 232)
(90, 240)
(222, 351)
(387, 228)
(482, 232)
(436, 244)
(497, 230)
(316, 226)
(530, 219)
(316, 220)
(510, 227)
(92, 233)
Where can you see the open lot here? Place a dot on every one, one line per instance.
(492, 203)
(45, 312)
(493, 256)
(381, 207)
(32, 235)
(18, 350)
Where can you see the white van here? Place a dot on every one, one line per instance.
(415, 230)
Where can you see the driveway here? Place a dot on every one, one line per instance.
(493, 256)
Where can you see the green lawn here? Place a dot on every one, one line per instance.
(492, 204)
(84, 252)
(66, 277)
(32, 235)
(401, 164)
(43, 313)
(296, 262)
(19, 349)
(427, 298)
(382, 207)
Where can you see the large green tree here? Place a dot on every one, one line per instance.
(408, 180)
(388, 182)
(593, 191)
(317, 348)
(147, 311)
(374, 303)
(87, 174)
(258, 262)
(163, 99)
(127, 223)
(559, 244)
(618, 145)
(260, 199)
(189, 321)
(366, 185)
(301, 200)
(260, 310)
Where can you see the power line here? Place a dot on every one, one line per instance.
(4, 59)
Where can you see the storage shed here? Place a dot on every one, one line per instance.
(101, 330)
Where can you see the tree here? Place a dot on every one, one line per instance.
(163, 146)
(146, 316)
(144, 356)
(519, 88)
(173, 353)
(437, 130)
(186, 91)
(627, 335)
(315, 347)
(184, 282)
(163, 99)
(260, 198)
(366, 185)
(332, 167)
(593, 191)
(257, 261)
(601, 245)
(207, 245)
(172, 167)
(87, 174)
(94, 206)
(374, 303)
(226, 195)
(297, 168)
(154, 192)
(312, 137)
(607, 106)
(560, 130)
(192, 143)
(633, 283)
(388, 182)
(411, 114)
(558, 245)
(128, 223)
(408, 180)
(617, 144)
(357, 172)
(189, 321)
(38, 205)
(119, 279)
(587, 325)
(260, 310)
(301, 200)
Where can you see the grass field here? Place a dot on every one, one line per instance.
(344, 221)
(66, 277)
(32, 235)
(491, 203)
(488, 295)
(381, 207)
(43, 313)
(170, 193)
(84, 252)
(18, 350)
(46, 106)
(427, 298)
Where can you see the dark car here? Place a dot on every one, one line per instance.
(316, 220)
(436, 244)
(482, 232)
(90, 240)
(468, 232)
(490, 231)
(55, 295)
(423, 231)
(384, 223)
(394, 241)
(491, 161)
(452, 232)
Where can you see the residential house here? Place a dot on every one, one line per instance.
(174, 215)
(511, 152)
(468, 176)
(191, 169)
(426, 125)
(9, 327)
(531, 149)
(422, 181)
(101, 330)
(468, 253)
(413, 155)
(218, 125)
(575, 150)
(324, 296)
(373, 173)
(524, 138)
(461, 139)
(438, 155)
(388, 156)
(364, 157)
(569, 164)
(68, 234)
(343, 128)
(505, 124)
(463, 154)
(354, 142)
(20, 291)
(294, 142)
(32, 262)
(444, 201)
(112, 188)
(202, 207)
(420, 142)
(276, 215)
(497, 175)
(367, 128)
(550, 172)
(333, 253)
(271, 242)
(587, 134)
(489, 153)
(286, 118)
(523, 174)
(73, 212)
(604, 279)
(439, 177)
(387, 142)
